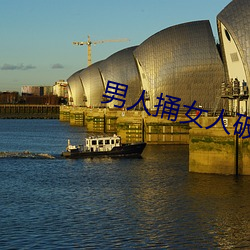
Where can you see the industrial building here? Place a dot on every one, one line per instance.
(181, 61)
(234, 34)
(9, 97)
(37, 90)
(60, 89)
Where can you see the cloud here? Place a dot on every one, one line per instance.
(29, 67)
(57, 66)
(21, 66)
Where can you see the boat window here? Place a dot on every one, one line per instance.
(112, 141)
(117, 141)
(100, 142)
(93, 142)
(107, 142)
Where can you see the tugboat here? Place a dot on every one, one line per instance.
(96, 146)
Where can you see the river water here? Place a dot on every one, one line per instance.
(150, 203)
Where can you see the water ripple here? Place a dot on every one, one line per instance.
(148, 203)
(26, 154)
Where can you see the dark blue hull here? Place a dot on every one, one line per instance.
(126, 150)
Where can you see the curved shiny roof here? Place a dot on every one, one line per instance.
(76, 90)
(93, 85)
(121, 67)
(236, 18)
(181, 61)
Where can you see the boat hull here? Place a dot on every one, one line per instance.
(126, 150)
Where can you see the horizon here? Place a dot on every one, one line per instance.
(36, 37)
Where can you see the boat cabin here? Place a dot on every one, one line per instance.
(102, 143)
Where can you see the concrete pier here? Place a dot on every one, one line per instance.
(132, 126)
(64, 114)
(163, 131)
(210, 150)
(214, 151)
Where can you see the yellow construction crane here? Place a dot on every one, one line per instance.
(89, 43)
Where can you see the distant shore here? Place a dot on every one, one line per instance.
(24, 111)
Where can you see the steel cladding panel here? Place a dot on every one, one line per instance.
(182, 61)
(236, 18)
(93, 85)
(76, 89)
(121, 67)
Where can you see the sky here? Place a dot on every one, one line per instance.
(36, 35)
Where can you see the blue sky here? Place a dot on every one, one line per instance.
(36, 35)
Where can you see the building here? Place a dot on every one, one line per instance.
(76, 93)
(37, 90)
(88, 85)
(38, 95)
(181, 62)
(121, 67)
(92, 84)
(60, 89)
(9, 97)
(234, 33)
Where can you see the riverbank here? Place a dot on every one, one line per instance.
(25, 111)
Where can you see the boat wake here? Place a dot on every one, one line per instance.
(26, 154)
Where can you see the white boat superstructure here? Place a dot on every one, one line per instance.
(104, 146)
(102, 143)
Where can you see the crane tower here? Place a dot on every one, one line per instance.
(89, 43)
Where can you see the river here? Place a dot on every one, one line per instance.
(48, 202)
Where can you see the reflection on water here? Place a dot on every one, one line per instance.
(106, 203)
(224, 201)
